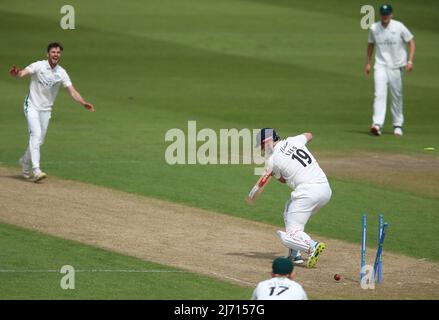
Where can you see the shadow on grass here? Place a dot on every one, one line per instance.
(256, 255)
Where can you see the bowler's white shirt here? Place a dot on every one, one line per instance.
(279, 288)
(292, 160)
(44, 84)
(390, 43)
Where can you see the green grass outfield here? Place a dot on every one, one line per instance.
(149, 66)
(35, 259)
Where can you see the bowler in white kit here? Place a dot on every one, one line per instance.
(46, 78)
(292, 163)
(390, 38)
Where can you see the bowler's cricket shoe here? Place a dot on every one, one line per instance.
(397, 131)
(375, 130)
(25, 171)
(315, 254)
(38, 176)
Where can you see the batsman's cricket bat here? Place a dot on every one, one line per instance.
(259, 187)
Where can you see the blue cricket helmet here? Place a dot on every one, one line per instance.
(264, 134)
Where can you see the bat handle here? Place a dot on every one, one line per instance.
(253, 192)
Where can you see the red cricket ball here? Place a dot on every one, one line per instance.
(337, 277)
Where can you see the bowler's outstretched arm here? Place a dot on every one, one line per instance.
(18, 73)
(77, 97)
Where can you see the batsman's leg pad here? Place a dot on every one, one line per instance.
(293, 240)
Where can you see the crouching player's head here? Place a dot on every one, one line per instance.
(283, 267)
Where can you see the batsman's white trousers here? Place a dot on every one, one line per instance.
(305, 201)
(387, 78)
(37, 122)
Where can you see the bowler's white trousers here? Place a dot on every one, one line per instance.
(37, 122)
(387, 78)
(305, 201)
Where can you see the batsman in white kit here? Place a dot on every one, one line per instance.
(46, 77)
(290, 161)
(390, 38)
(281, 286)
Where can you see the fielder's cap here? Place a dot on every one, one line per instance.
(386, 9)
(264, 134)
(282, 266)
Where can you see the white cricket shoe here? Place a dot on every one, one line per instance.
(397, 131)
(25, 171)
(295, 257)
(298, 260)
(38, 176)
(375, 130)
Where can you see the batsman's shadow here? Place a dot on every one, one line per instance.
(256, 255)
(14, 177)
(269, 256)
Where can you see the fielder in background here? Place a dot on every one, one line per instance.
(46, 77)
(281, 286)
(390, 38)
(291, 162)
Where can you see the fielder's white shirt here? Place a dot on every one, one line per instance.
(390, 43)
(292, 160)
(44, 84)
(279, 288)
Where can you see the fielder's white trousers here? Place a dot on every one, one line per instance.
(37, 122)
(387, 78)
(305, 201)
